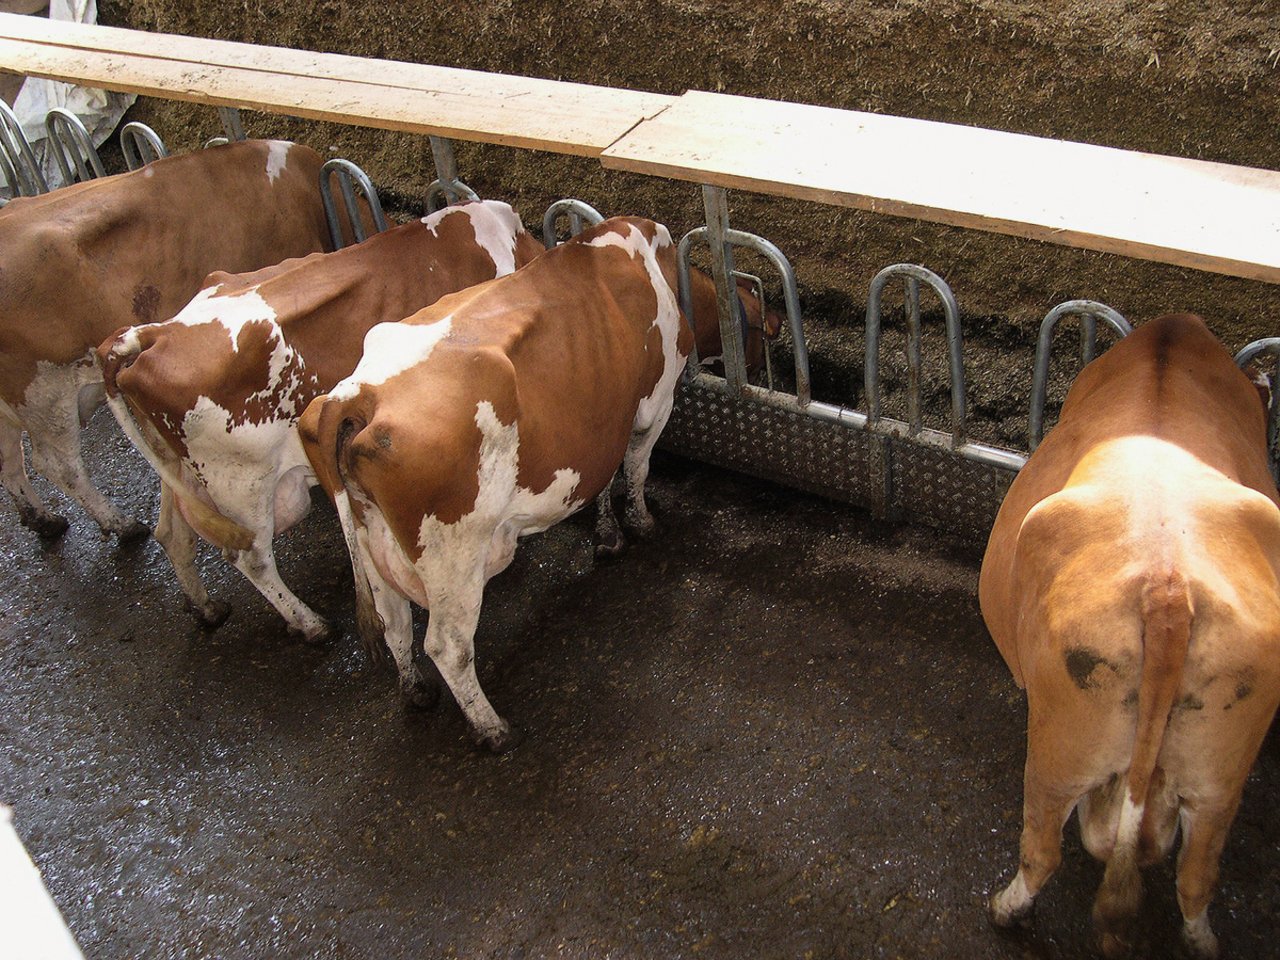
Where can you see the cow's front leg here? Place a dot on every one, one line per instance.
(13, 473)
(178, 540)
(635, 463)
(54, 430)
(609, 540)
(258, 563)
(455, 597)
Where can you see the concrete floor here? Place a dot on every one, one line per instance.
(777, 729)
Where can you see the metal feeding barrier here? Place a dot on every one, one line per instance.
(1090, 312)
(140, 145)
(18, 162)
(580, 216)
(351, 179)
(72, 147)
(446, 188)
(1251, 354)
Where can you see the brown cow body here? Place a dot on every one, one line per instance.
(85, 260)
(212, 397)
(494, 414)
(1131, 584)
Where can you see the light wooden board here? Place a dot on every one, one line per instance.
(1208, 216)
(519, 111)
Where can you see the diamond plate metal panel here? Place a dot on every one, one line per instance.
(892, 477)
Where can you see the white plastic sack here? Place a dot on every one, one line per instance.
(98, 110)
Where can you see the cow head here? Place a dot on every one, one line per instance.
(1261, 381)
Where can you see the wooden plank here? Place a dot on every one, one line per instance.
(520, 111)
(1191, 213)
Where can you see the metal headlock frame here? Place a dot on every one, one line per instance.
(140, 145)
(17, 160)
(72, 147)
(580, 214)
(446, 186)
(1271, 347)
(350, 178)
(790, 295)
(1090, 312)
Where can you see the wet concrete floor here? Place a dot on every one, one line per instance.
(776, 729)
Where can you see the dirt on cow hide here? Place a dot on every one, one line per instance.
(1178, 77)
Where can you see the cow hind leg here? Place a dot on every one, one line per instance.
(450, 643)
(55, 449)
(178, 541)
(1204, 833)
(1045, 810)
(258, 563)
(394, 622)
(13, 473)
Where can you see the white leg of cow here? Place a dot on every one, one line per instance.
(13, 473)
(635, 471)
(609, 540)
(258, 563)
(178, 540)
(55, 453)
(397, 625)
(456, 596)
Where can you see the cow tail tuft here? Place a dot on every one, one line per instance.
(1166, 637)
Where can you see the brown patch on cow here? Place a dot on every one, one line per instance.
(146, 303)
(1243, 690)
(1130, 701)
(1081, 663)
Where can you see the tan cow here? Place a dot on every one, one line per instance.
(493, 414)
(212, 397)
(1132, 584)
(85, 260)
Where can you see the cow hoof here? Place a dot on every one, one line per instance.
(46, 526)
(1114, 946)
(133, 532)
(612, 549)
(1200, 941)
(419, 696)
(1010, 918)
(504, 740)
(322, 636)
(213, 616)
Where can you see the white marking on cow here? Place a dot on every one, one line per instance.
(391, 349)
(496, 225)
(667, 319)
(277, 158)
(233, 312)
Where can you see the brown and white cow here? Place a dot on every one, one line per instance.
(84, 260)
(1132, 584)
(493, 414)
(212, 397)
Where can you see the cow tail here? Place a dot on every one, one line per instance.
(336, 427)
(1166, 637)
(223, 531)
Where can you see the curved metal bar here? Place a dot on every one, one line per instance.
(21, 168)
(454, 191)
(350, 178)
(580, 214)
(216, 142)
(916, 275)
(72, 147)
(140, 145)
(790, 294)
(1040, 378)
(1269, 345)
